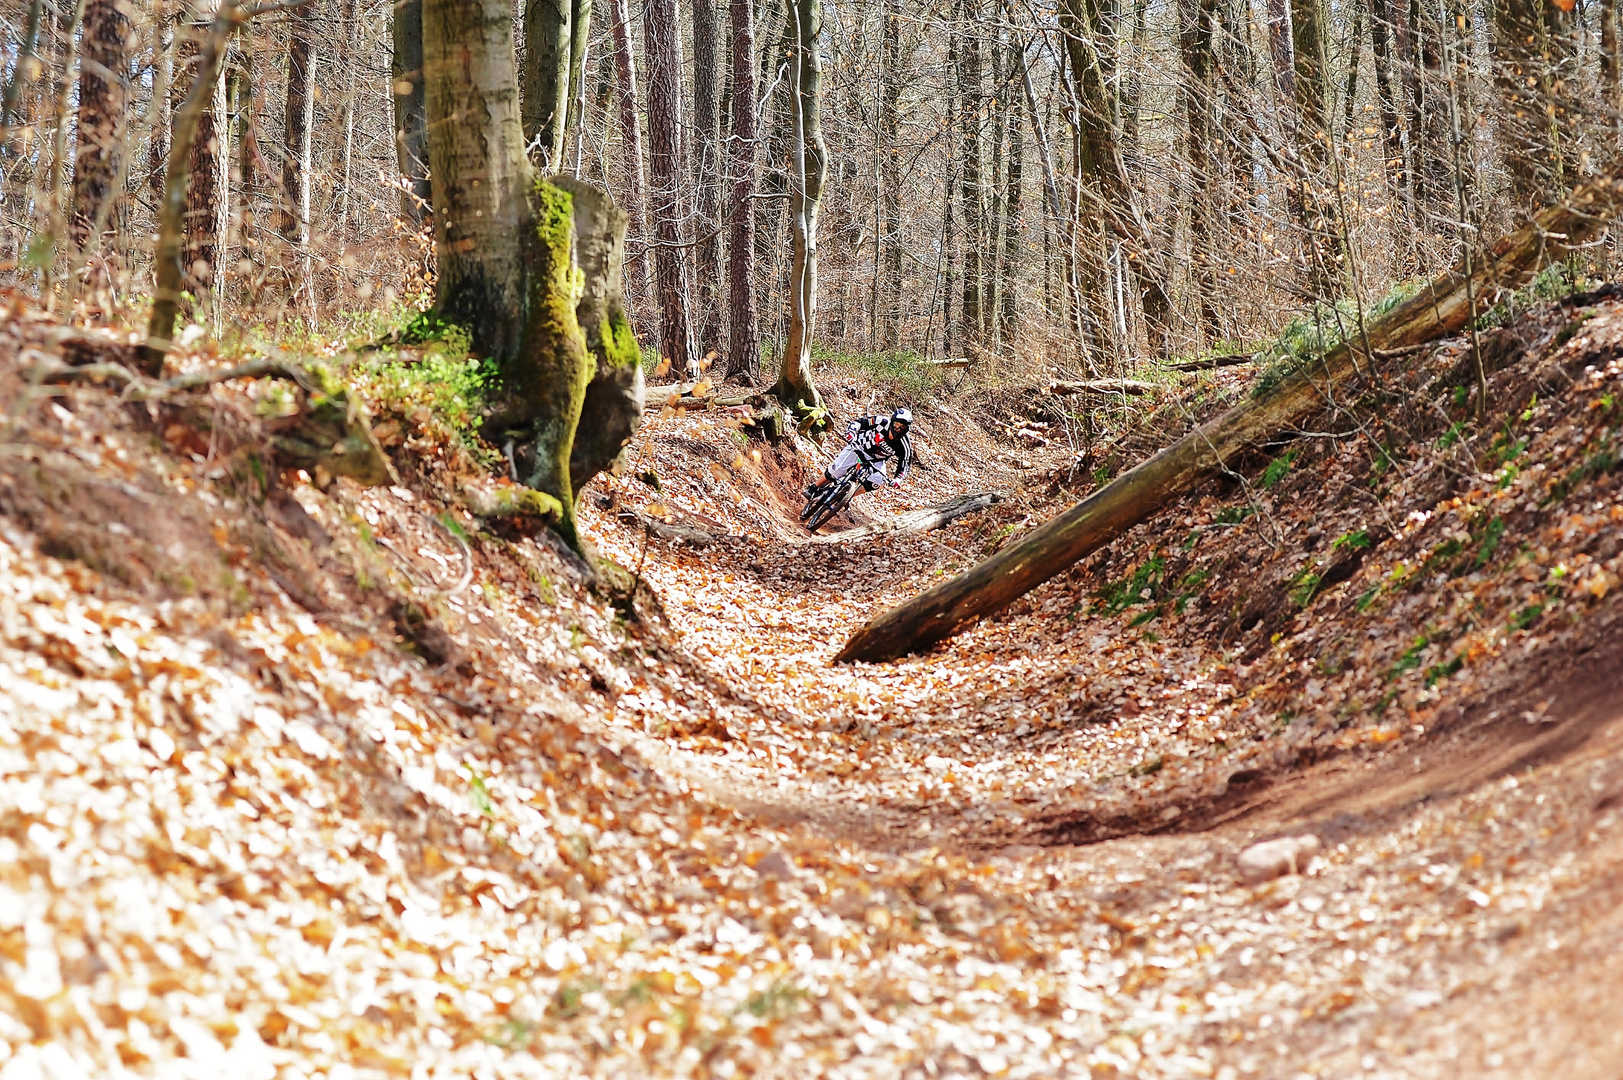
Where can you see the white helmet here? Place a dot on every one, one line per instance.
(903, 415)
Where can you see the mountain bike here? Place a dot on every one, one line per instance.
(834, 497)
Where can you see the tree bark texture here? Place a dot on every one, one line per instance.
(202, 189)
(744, 332)
(808, 173)
(663, 47)
(482, 182)
(1009, 309)
(1100, 166)
(971, 197)
(630, 106)
(296, 124)
(1535, 61)
(1388, 86)
(103, 103)
(1443, 307)
(410, 110)
(611, 409)
(891, 302)
(171, 246)
(554, 58)
(1313, 151)
(707, 179)
(1197, 27)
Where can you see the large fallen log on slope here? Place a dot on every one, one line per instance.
(1442, 308)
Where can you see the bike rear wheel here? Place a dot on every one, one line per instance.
(835, 500)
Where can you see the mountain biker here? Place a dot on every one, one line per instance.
(869, 442)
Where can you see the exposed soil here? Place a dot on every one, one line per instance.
(279, 793)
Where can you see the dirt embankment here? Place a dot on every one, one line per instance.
(296, 777)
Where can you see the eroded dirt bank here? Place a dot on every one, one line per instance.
(277, 796)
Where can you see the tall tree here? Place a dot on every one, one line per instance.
(808, 172)
(1534, 58)
(1009, 269)
(663, 47)
(1388, 90)
(630, 110)
(555, 37)
(971, 197)
(744, 338)
(509, 244)
(298, 165)
(889, 240)
(707, 177)
(1197, 26)
(203, 187)
(1100, 169)
(410, 109)
(103, 104)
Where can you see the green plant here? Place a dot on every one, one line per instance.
(1277, 468)
(1438, 672)
(454, 390)
(1411, 657)
(1526, 617)
(1233, 515)
(777, 1002)
(479, 793)
(1355, 540)
(1144, 583)
(1303, 586)
(1491, 535)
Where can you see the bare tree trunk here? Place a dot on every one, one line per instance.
(555, 34)
(630, 103)
(293, 222)
(971, 198)
(1100, 168)
(410, 110)
(1388, 87)
(163, 66)
(1535, 61)
(223, 129)
(103, 104)
(662, 44)
(171, 247)
(1310, 93)
(744, 353)
(203, 189)
(889, 283)
(1009, 311)
(1609, 81)
(482, 182)
(522, 261)
(1198, 23)
(707, 178)
(807, 175)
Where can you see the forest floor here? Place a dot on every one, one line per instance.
(295, 780)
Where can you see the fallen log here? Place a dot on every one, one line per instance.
(682, 397)
(915, 521)
(1133, 387)
(1442, 308)
(1209, 363)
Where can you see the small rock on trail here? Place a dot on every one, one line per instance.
(1275, 858)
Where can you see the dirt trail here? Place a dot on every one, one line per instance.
(1462, 867)
(278, 798)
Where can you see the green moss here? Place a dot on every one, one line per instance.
(619, 343)
(551, 374)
